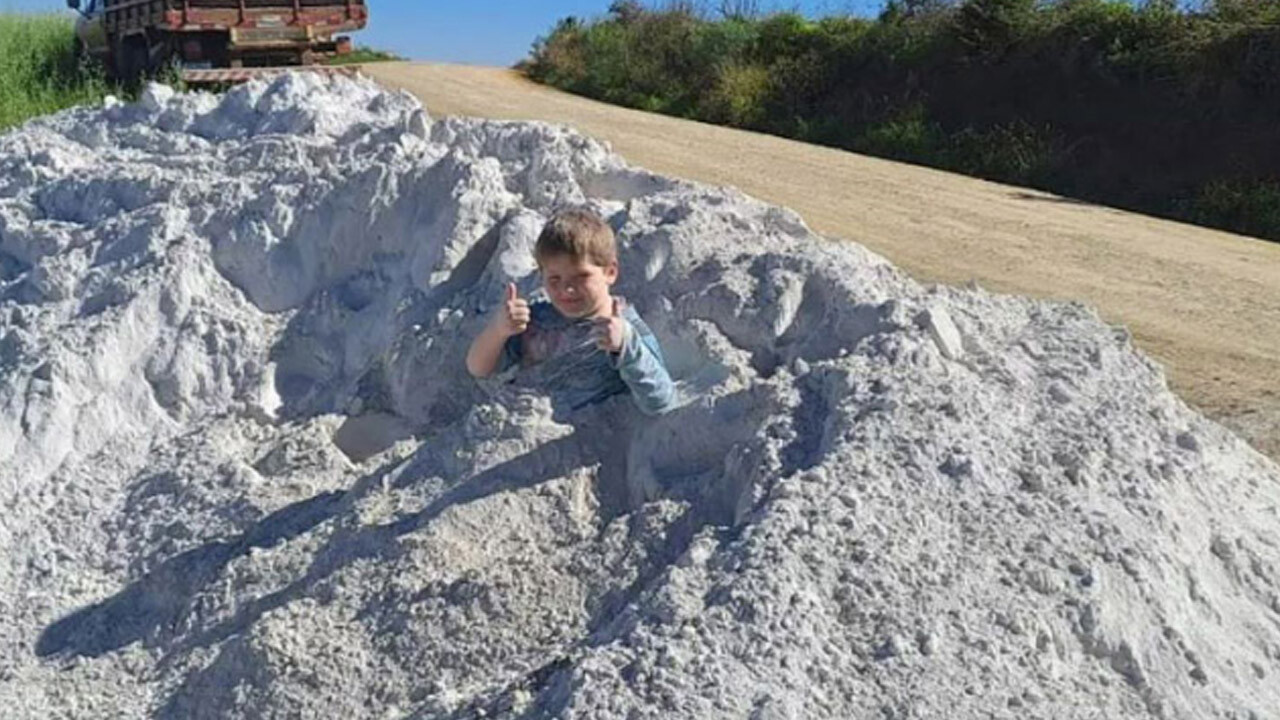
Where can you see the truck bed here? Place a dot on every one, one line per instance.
(255, 4)
(295, 19)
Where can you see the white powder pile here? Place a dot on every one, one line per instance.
(244, 473)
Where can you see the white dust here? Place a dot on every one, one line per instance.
(245, 475)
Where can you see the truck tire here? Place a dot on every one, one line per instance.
(129, 59)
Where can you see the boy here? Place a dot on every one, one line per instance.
(586, 344)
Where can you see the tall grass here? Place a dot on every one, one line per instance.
(39, 70)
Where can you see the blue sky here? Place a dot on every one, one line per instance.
(485, 32)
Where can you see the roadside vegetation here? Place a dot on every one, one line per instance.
(363, 55)
(39, 70)
(1148, 106)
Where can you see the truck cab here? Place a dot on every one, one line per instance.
(91, 34)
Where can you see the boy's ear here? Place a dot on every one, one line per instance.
(611, 272)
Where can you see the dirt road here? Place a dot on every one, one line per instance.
(1204, 303)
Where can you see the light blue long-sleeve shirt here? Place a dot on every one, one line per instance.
(560, 355)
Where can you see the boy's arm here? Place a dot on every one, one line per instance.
(510, 318)
(486, 350)
(641, 366)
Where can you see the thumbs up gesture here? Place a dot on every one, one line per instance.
(610, 331)
(512, 317)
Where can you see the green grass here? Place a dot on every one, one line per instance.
(362, 55)
(39, 72)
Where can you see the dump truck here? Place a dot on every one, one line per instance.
(213, 39)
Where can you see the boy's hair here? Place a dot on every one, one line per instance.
(578, 234)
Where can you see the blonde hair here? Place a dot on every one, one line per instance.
(578, 234)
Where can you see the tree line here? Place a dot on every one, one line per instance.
(1154, 107)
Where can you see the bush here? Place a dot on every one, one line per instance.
(1016, 152)
(909, 137)
(1246, 12)
(739, 97)
(1251, 207)
(990, 27)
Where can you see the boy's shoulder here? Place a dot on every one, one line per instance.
(631, 315)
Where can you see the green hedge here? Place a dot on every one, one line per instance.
(1140, 106)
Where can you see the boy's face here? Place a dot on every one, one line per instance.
(577, 287)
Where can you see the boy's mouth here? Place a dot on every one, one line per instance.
(577, 308)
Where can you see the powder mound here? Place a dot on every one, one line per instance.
(245, 474)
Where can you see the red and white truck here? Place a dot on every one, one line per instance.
(137, 37)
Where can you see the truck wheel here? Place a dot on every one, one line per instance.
(130, 60)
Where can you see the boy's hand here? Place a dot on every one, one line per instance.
(512, 318)
(611, 331)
